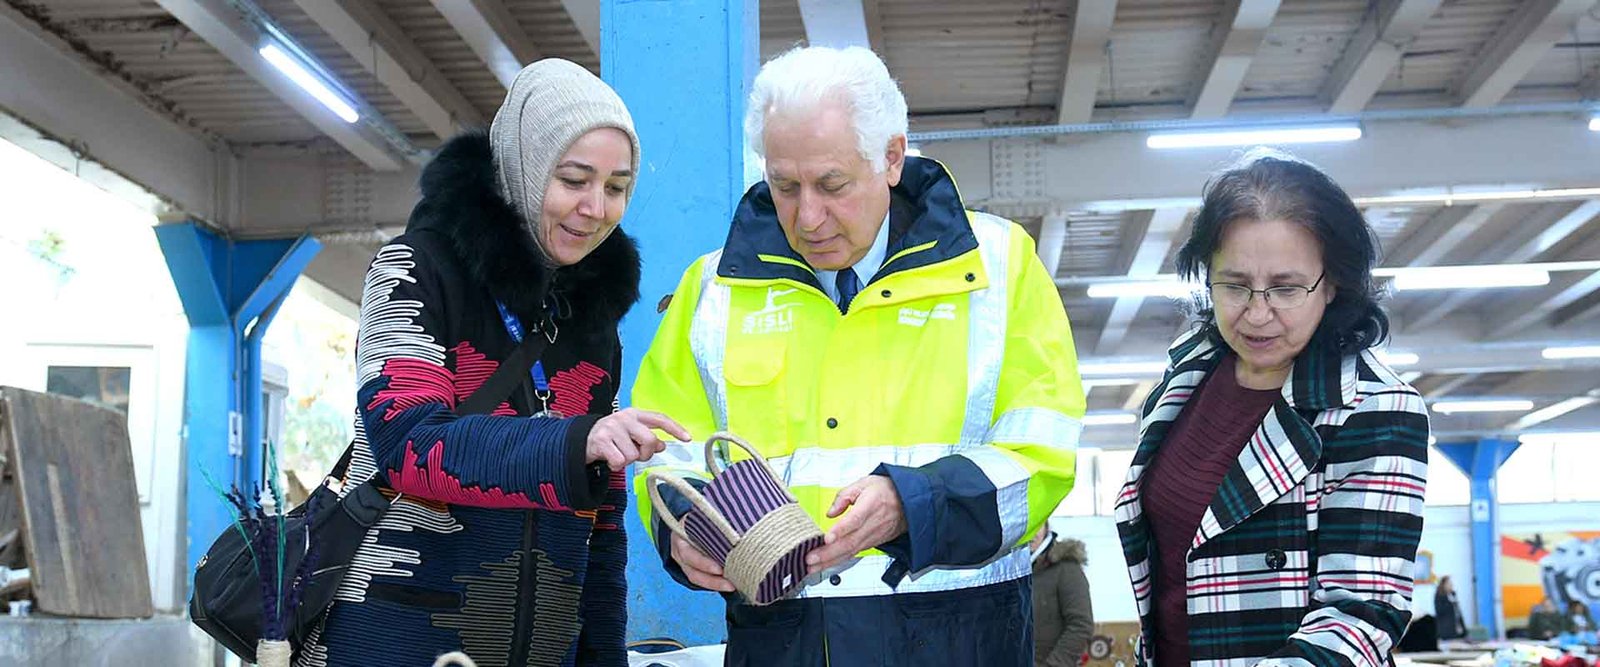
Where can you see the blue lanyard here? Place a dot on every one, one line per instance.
(514, 327)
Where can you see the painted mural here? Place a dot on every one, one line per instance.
(1563, 566)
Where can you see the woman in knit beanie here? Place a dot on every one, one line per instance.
(505, 541)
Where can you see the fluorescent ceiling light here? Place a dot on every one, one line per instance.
(1452, 407)
(1122, 368)
(1448, 198)
(1252, 137)
(1560, 437)
(1398, 358)
(1594, 124)
(303, 77)
(1394, 271)
(1141, 288)
(1125, 205)
(913, 151)
(1576, 352)
(1468, 277)
(1109, 419)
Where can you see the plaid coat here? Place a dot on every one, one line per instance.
(1305, 555)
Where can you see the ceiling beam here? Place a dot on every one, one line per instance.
(1111, 169)
(77, 114)
(1234, 41)
(1553, 411)
(1565, 289)
(1444, 388)
(223, 27)
(1441, 234)
(1385, 32)
(493, 33)
(836, 23)
(1115, 171)
(1515, 251)
(1086, 57)
(1557, 394)
(1161, 231)
(373, 39)
(1522, 40)
(585, 15)
(1579, 310)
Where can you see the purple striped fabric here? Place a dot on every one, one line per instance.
(705, 535)
(744, 493)
(788, 574)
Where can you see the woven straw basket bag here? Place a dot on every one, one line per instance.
(746, 520)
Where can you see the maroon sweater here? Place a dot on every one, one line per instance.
(1203, 444)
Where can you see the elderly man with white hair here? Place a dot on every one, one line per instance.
(904, 364)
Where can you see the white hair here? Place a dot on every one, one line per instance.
(805, 77)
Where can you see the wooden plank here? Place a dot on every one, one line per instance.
(11, 554)
(73, 468)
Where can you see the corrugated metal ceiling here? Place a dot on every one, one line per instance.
(986, 62)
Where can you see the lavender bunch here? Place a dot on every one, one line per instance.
(259, 518)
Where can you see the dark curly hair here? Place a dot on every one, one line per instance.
(1268, 185)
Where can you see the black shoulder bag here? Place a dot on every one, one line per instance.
(226, 602)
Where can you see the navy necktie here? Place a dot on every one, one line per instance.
(848, 285)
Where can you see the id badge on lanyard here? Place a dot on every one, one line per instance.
(541, 385)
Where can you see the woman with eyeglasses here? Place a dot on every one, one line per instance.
(1272, 511)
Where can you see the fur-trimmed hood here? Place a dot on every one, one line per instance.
(1064, 550)
(461, 201)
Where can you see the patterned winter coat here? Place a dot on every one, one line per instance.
(1305, 555)
(503, 543)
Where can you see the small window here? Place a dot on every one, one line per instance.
(106, 386)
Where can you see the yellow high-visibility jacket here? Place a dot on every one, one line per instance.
(953, 374)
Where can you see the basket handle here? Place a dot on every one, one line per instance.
(724, 436)
(655, 478)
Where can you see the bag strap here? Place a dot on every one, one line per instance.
(497, 388)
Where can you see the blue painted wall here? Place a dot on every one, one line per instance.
(684, 68)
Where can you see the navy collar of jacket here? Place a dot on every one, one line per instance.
(925, 210)
(1322, 377)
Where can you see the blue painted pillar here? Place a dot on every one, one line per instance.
(230, 292)
(684, 68)
(1480, 460)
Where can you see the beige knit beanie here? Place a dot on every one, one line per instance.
(551, 103)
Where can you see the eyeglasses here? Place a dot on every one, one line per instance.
(1278, 297)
